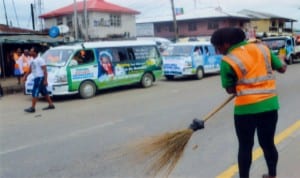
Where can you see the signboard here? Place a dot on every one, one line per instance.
(145, 29)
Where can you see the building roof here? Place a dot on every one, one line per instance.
(205, 13)
(8, 29)
(91, 5)
(28, 38)
(262, 15)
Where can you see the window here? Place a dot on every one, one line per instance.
(70, 21)
(192, 27)
(171, 28)
(83, 22)
(115, 20)
(59, 20)
(145, 52)
(212, 25)
(83, 57)
(158, 28)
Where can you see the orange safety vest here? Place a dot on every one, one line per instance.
(252, 65)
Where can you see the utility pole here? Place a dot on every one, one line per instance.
(174, 20)
(5, 13)
(75, 21)
(32, 16)
(85, 21)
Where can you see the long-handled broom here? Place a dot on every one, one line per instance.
(164, 151)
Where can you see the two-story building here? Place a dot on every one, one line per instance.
(269, 24)
(96, 19)
(195, 23)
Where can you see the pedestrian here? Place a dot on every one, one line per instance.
(39, 71)
(26, 60)
(18, 65)
(247, 72)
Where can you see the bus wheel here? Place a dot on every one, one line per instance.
(87, 90)
(147, 80)
(290, 59)
(199, 73)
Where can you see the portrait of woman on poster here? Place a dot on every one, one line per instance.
(106, 68)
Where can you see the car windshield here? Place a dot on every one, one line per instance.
(57, 57)
(179, 50)
(274, 44)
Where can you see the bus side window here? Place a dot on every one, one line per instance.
(89, 57)
(122, 56)
(130, 54)
(206, 51)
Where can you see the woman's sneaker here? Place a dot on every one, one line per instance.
(30, 110)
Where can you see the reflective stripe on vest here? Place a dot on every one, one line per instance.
(268, 77)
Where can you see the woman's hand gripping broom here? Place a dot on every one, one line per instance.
(164, 151)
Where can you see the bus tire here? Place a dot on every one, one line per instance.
(199, 73)
(290, 60)
(87, 89)
(147, 80)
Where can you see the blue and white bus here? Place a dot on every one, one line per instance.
(191, 59)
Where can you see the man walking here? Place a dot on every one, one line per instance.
(39, 71)
(247, 72)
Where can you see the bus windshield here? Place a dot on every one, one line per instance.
(57, 57)
(274, 44)
(180, 51)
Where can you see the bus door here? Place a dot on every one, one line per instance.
(211, 60)
(81, 67)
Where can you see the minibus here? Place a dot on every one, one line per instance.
(190, 59)
(85, 68)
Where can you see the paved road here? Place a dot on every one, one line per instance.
(75, 139)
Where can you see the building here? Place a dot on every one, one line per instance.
(196, 23)
(269, 24)
(12, 38)
(96, 19)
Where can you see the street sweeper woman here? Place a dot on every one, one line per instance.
(247, 72)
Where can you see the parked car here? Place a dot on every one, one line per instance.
(288, 44)
(190, 59)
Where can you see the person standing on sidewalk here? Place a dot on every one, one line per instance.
(18, 66)
(247, 72)
(39, 70)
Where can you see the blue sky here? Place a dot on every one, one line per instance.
(18, 11)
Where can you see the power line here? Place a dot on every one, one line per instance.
(13, 2)
(5, 13)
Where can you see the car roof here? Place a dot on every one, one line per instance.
(101, 44)
(194, 43)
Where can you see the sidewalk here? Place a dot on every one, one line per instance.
(10, 85)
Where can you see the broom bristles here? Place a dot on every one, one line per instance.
(164, 151)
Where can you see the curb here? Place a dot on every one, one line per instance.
(12, 89)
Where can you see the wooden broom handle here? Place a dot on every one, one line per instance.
(209, 115)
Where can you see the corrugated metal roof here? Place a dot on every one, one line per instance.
(9, 29)
(262, 15)
(91, 5)
(29, 39)
(195, 14)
